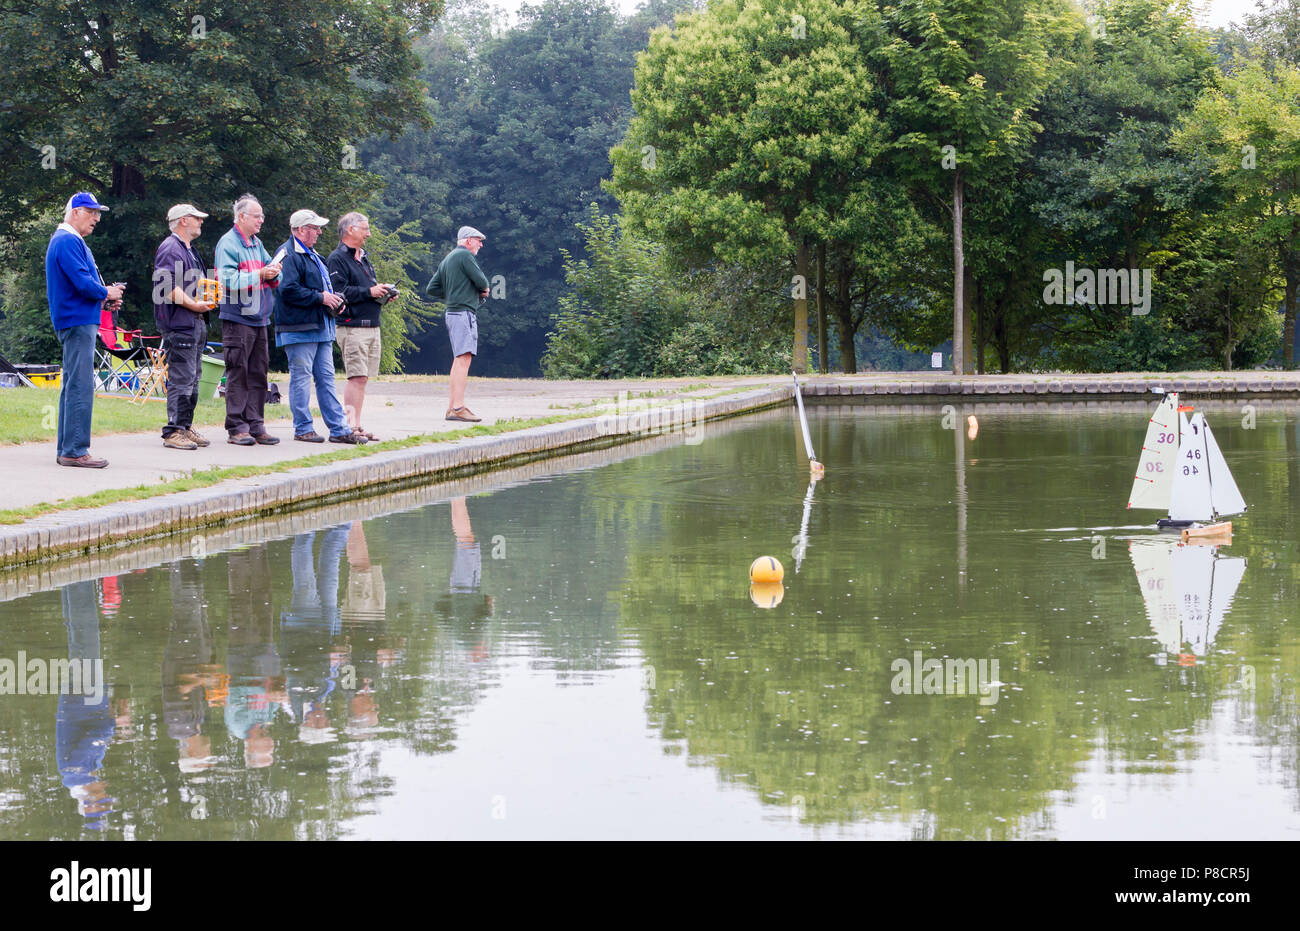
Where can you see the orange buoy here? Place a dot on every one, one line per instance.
(766, 594)
(766, 569)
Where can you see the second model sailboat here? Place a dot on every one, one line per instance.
(1183, 469)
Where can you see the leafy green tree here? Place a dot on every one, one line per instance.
(1103, 187)
(148, 104)
(628, 313)
(959, 82)
(1249, 131)
(524, 119)
(750, 140)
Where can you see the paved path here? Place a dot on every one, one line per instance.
(393, 410)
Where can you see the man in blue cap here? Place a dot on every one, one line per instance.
(76, 294)
(461, 284)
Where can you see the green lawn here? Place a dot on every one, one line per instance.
(31, 414)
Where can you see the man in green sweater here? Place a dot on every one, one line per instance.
(462, 286)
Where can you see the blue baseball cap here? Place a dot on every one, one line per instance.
(85, 199)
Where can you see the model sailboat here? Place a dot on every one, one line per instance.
(1183, 469)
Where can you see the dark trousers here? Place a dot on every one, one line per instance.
(247, 357)
(184, 353)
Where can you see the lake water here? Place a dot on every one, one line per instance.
(572, 651)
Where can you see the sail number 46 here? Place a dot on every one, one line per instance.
(1192, 470)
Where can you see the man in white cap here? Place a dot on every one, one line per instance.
(305, 308)
(461, 284)
(182, 319)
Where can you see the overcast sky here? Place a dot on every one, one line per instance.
(1216, 12)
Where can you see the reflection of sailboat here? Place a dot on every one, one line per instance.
(1183, 469)
(1187, 591)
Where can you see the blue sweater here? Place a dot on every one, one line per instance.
(72, 284)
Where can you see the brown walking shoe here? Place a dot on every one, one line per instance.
(197, 438)
(82, 462)
(265, 439)
(241, 439)
(179, 440)
(463, 414)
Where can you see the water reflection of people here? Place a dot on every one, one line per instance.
(308, 631)
(187, 666)
(363, 620)
(256, 680)
(83, 730)
(464, 602)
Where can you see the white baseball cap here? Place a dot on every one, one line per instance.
(184, 210)
(306, 218)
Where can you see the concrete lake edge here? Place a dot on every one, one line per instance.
(80, 532)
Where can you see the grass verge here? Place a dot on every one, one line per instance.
(30, 415)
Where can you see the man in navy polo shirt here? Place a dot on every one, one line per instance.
(182, 320)
(76, 294)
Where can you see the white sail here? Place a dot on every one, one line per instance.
(1155, 474)
(1191, 492)
(1227, 576)
(1155, 575)
(1193, 579)
(1224, 495)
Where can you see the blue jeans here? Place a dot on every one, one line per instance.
(308, 363)
(77, 396)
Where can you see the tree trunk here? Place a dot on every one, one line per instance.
(975, 306)
(1227, 349)
(1000, 338)
(823, 364)
(958, 280)
(844, 319)
(128, 183)
(800, 361)
(1288, 315)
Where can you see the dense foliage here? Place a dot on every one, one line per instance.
(148, 104)
(659, 190)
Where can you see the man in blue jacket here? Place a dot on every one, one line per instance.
(305, 307)
(76, 294)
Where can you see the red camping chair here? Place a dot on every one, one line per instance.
(125, 360)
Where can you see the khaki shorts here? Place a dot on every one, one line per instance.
(360, 345)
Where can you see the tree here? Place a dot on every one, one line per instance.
(628, 313)
(148, 104)
(1249, 131)
(750, 141)
(524, 120)
(960, 80)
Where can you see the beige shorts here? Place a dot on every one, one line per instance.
(360, 345)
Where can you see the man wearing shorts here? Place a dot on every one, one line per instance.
(358, 327)
(461, 284)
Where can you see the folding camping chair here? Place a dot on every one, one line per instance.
(127, 361)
